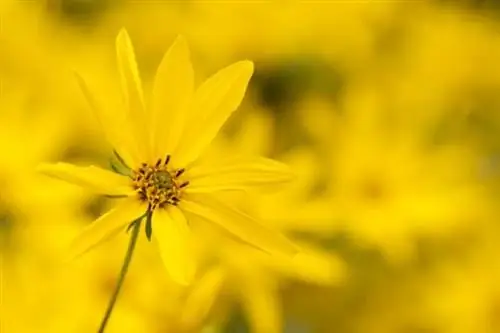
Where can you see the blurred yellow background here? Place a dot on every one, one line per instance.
(388, 111)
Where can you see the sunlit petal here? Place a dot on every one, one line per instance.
(132, 91)
(309, 265)
(238, 174)
(94, 178)
(173, 237)
(173, 89)
(239, 224)
(106, 226)
(116, 126)
(213, 103)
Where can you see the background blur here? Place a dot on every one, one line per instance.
(389, 111)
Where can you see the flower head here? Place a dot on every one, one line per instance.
(254, 283)
(159, 173)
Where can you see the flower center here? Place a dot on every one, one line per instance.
(158, 185)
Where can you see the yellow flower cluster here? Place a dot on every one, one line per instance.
(262, 167)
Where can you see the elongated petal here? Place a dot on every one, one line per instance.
(322, 270)
(172, 235)
(106, 226)
(238, 174)
(312, 266)
(261, 304)
(202, 297)
(213, 103)
(172, 91)
(132, 91)
(239, 224)
(94, 178)
(116, 126)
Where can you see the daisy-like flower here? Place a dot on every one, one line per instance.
(161, 176)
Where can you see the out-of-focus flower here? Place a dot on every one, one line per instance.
(395, 151)
(344, 31)
(38, 56)
(35, 213)
(40, 294)
(458, 291)
(161, 176)
(30, 134)
(236, 272)
(380, 170)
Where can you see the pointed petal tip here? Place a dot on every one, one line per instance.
(123, 41)
(180, 40)
(70, 257)
(247, 66)
(242, 68)
(122, 33)
(74, 252)
(287, 249)
(180, 46)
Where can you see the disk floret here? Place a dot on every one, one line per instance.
(158, 185)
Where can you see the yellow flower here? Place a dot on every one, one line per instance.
(74, 296)
(388, 188)
(163, 177)
(255, 282)
(461, 292)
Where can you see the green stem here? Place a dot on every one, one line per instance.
(123, 272)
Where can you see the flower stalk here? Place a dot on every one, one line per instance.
(136, 226)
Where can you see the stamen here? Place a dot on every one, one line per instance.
(157, 185)
(179, 172)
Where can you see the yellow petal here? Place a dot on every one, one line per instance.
(172, 90)
(94, 178)
(261, 304)
(237, 174)
(107, 225)
(202, 297)
(116, 127)
(322, 270)
(132, 91)
(173, 237)
(239, 224)
(213, 103)
(312, 266)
